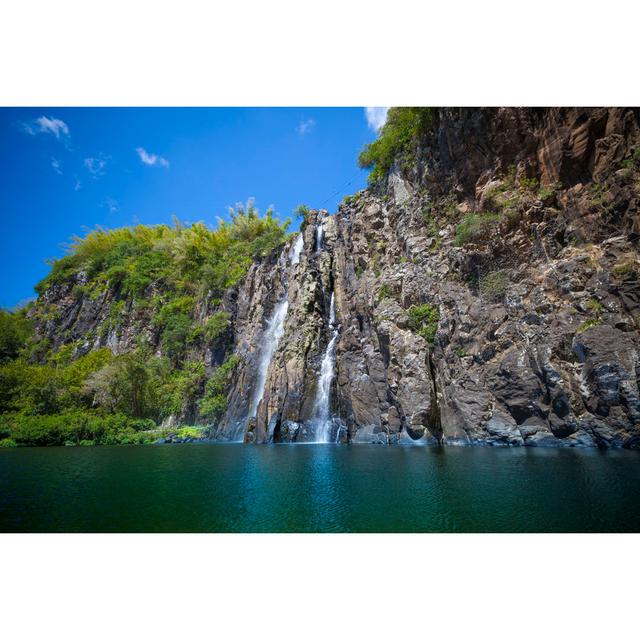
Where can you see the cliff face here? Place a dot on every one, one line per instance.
(486, 292)
(536, 336)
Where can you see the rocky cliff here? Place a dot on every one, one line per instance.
(484, 292)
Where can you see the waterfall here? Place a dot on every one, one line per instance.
(322, 405)
(319, 234)
(296, 250)
(275, 329)
(271, 337)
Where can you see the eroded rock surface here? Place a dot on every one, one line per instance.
(531, 334)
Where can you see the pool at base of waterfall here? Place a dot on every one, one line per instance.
(317, 488)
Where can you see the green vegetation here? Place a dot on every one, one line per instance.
(595, 308)
(424, 320)
(544, 193)
(625, 268)
(601, 198)
(493, 285)
(161, 274)
(195, 433)
(399, 137)
(587, 324)
(530, 184)
(630, 165)
(102, 398)
(384, 292)
(180, 258)
(214, 402)
(302, 212)
(353, 200)
(14, 331)
(475, 227)
(74, 428)
(217, 325)
(510, 195)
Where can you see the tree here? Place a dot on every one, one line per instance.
(14, 331)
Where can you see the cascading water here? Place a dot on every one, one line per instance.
(275, 329)
(322, 406)
(319, 234)
(296, 250)
(272, 335)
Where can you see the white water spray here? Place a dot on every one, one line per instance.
(319, 234)
(296, 250)
(322, 406)
(272, 335)
(275, 329)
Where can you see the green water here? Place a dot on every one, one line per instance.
(366, 488)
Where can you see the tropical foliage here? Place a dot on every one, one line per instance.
(398, 138)
(175, 276)
(184, 258)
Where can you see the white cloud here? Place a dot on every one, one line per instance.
(96, 166)
(77, 185)
(305, 126)
(111, 205)
(57, 167)
(376, 117)
(151, 159)
(43, 124)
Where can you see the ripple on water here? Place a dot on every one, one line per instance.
(324, 488)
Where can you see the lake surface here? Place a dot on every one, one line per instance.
(317, 488)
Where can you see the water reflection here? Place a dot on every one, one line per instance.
(318, 488)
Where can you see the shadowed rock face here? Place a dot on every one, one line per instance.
(544, 353)
(535, 336)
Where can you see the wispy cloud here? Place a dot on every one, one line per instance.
(151, 159)
(57, 167)
(43, 124)
(111, 205)
(305, 126)
(97, 165)
(376, 117)
(77, 185)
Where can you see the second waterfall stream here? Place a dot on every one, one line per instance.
(322, 406)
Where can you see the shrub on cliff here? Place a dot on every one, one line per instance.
(301, 212)
(475, 227)
(493, 285)
(424, 320)
(400, 135)
(217, 325)
(214, 402)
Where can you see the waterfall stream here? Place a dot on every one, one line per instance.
(271, 337)
(296, 250)
(322, 406)
(319, 234)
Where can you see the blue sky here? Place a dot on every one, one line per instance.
(68, 169)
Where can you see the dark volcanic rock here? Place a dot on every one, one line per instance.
(536, 337)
